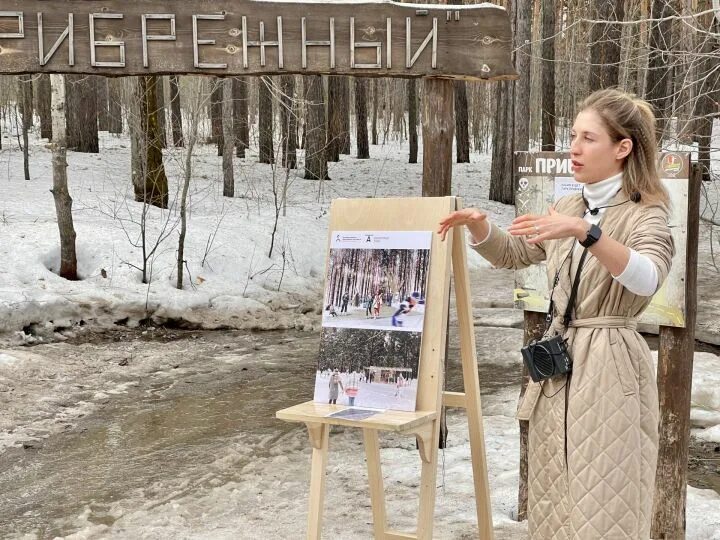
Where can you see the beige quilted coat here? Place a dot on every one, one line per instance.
(593, 441)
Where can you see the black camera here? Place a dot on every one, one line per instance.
(547, 358)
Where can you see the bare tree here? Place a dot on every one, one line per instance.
(375, 99)
(81, 111)
(115, 122)
(288, 142)
(175, 112)
(605, 44)
(44, 100)
(548, 76)
(228, 138)
(195, 106)
(63, 201)
(216, 114)
(149, 179)
(659, 74)
(315, 153)
(25, 106)
(265, 121)
(412, 120)
(335, 122)
(361, 117)
(160, 110)
(101, 85)
(240, 118)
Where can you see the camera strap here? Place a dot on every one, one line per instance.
(573, 293)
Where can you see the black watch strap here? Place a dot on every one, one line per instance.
(593, 235)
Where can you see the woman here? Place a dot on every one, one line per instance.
(377, 304)
(334, 386)
(593, 436)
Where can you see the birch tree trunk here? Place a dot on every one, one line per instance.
(63, 201)
(228, 138)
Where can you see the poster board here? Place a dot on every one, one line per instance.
(372, 319)
(543, 177)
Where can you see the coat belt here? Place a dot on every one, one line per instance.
(532, 394)
(605, 322)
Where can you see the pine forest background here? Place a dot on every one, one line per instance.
(366, 271)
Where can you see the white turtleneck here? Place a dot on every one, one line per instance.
(640, 275)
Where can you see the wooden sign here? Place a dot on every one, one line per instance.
(247, 37)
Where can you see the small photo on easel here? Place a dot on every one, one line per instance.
(374, 311)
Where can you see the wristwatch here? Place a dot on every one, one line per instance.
(593, 235)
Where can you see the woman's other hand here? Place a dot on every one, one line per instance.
(473, 218)
(553, 226)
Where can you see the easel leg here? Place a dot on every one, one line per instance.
(375, 479)
(319, 437)
(471, 382)
(428, 484)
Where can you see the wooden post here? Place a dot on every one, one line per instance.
(438, 127)
(534, 328)
(674, 378)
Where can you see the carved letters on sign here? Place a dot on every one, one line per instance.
(102, 36)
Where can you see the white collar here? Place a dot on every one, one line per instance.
(601, 193)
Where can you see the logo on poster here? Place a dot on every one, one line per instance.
(671, 164)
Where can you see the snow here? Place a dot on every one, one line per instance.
(234, 283)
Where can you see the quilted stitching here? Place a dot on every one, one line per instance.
(607, 488)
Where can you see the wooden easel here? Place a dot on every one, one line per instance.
(412, 214)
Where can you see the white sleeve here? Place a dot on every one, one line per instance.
(471, 238)
(640, 275)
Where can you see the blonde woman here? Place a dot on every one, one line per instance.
(593, 438)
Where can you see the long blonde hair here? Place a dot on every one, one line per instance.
(626, 116)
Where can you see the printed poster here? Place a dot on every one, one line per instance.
(373, 316)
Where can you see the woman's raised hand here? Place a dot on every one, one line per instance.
(552, 226)
(466, 216)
